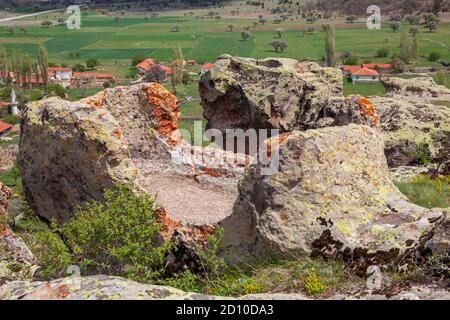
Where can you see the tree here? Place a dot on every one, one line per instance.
(78, 67)
(351, 19)
(46, 23)
(178, 68)
(280, 32)
(245, 35)
(431, 25)
(116, 19)
(434, 56)
(310, 30)
(382, 53)
(395, 26)
(61, 21)
(412, 19)
(176, 28)
(3, 64)
(255, 23)
(279, 45)
(137, 59)
(437, 6)
(230, 27)
(262, 21)
(398, 64)
(43, 63)
(330, 45)
(156, 73)
(408, 49)
(10, 30)
(92, 62)
(414, 31)
(23, 30)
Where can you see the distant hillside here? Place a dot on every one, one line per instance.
(359, 7)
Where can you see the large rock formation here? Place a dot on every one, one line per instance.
(415, 132)
(333, 196)
(114, 288)
(71, 151)
(422, 88)
(284, 94)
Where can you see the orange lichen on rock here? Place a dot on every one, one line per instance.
(280, 139)
(168, 225)
(5, 231)
(164, 111)
(117, 133)
(95, 101)
(368, 110)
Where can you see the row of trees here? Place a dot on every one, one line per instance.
(24, 67)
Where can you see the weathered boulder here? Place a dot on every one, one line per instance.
(114, 288)
(437, 249)
(71, 151)
(414, 88)
(276, 93)
(414, 133)
(332, 196)
(93, 288)
(16, 260)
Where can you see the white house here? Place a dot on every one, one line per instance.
(60, 73)
(365, 75)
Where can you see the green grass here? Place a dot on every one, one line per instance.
(115, 43)
(426, 192)
(364, 89)
(77, 94)
(11, 178)
(15, 137)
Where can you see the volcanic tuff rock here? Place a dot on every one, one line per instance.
(114, 288)
(71, 151)
(16, 260)
(413, 131)
(414, 88)
(274, 93)
(333, 196)
(288, 95)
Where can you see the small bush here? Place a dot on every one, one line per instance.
(383, 52)
(312, 284)
(434, 56)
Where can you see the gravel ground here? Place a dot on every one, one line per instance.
(189, 200)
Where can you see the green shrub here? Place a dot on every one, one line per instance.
(312, 284)
(350, 60)
(383, 52)
(434, 56)
(11, 119)
(119, 236)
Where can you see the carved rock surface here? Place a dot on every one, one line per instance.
(333, 196)
(276, 93)
(71, 151)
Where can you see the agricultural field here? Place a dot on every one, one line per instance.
(114, 43)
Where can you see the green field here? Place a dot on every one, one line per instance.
(115, 43)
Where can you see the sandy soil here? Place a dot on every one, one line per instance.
(189, 200)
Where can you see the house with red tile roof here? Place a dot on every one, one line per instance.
(4, 127)
(378, 66)
(144, 66)
(365, 75)
(60, 73)
(98, 76)
(206, 67)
